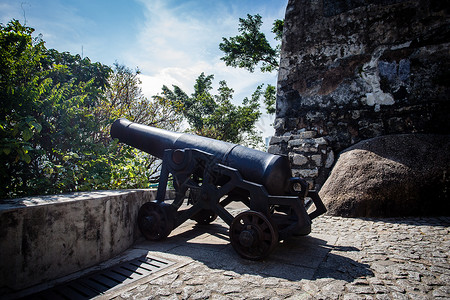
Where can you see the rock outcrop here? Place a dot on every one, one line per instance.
(394, 175)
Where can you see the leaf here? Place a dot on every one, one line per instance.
(36, 126)
(27, 134)
(26, 158)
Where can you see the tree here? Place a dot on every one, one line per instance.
(215, 116)
(251, 49)
(124, 98)
(278, 26)
(47, 126)
(270, 99)
(55, 113)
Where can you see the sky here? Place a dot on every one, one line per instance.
(170, 41)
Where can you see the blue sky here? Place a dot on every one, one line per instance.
(170, 41)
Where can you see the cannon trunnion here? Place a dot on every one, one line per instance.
(208, 175)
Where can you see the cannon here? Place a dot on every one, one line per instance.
(208, 175)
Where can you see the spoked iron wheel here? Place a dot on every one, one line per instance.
(204, 217)
(252, 235)
(155, 220)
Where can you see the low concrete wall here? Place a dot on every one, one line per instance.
(44, 238)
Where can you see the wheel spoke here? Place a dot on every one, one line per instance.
(239, 227)
(254, 229)
(154, 220)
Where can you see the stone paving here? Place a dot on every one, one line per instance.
(343, 258)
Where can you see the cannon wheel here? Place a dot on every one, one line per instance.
(204, 217)
(155, 220)
(252, 235)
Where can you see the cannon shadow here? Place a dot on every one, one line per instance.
(308, 257)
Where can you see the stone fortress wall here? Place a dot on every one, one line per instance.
(351, 70)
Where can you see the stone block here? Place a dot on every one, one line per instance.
(307, 134)
(296, 142)
(317, 159)
(278, 139)
(274, 149)
(304, 142)
(330, 159)
(306, 149)
(299, 159)
(321, 141)
(279, 123)
(306, 172)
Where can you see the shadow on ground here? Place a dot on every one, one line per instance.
(308, 257)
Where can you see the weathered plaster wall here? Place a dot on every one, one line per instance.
(44, 238)
(356, 69)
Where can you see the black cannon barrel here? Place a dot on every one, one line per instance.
(272, 171)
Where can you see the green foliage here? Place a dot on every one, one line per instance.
(250, 48)
(215, 116)
(77, 69)
(270, 99)
(124, 98)
(56, 110)
(277, 28)
(47, 129)
(55, 113)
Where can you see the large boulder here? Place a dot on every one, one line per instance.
(394, 175)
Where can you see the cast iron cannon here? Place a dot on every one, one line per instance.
(208, 175)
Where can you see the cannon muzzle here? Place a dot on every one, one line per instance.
(149, 139)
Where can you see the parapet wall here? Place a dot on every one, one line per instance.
(48, 237)
(353, 70)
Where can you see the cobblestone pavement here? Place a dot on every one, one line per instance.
(343, 258)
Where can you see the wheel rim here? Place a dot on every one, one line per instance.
(155, 221)
(252, 235)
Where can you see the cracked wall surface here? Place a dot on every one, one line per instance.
(47, 237)
(352, 70)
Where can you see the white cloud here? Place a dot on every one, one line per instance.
(170, 38)
(8, 12)
(177, 43)
(170, 41)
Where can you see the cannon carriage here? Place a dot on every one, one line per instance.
(208, 175)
